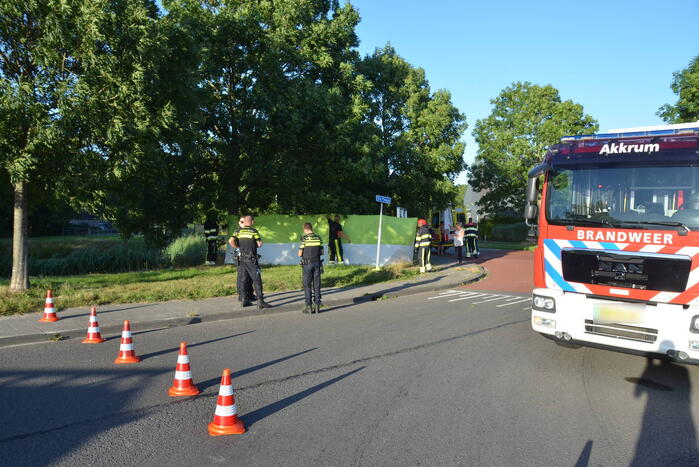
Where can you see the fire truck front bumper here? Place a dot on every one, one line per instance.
(643, 328)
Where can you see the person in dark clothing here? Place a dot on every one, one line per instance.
(335, 240)
(310, 251)
(423, 241)
(248, 241)
(211, 234)
(239, 275)
(471, 231)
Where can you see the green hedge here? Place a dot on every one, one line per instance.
(516, 232)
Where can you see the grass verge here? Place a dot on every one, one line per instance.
(190, 283)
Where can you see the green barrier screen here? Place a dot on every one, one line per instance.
(360, 229)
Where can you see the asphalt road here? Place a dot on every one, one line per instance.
(449, 378)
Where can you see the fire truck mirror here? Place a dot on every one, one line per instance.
(532, 190)
(530, 208)
(530, 212)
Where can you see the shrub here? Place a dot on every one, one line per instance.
(186, 251)
(516, 232)
(122, 257)
(51, 258)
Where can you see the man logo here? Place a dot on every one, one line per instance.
(620, 269)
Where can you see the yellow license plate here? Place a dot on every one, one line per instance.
(619, 313)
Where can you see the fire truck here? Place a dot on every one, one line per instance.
(617, 256)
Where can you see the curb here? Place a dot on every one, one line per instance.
(226, 315)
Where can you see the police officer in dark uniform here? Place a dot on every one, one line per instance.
(211, 234)
(248, 240)
(335, 240)
(239, 273)
(310, 251)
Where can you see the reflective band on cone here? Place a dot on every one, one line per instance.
(183, 384)
(226, 421)
(49, 310)
(93, 329)
(126, 352)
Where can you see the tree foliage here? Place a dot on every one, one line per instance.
(150, 113)
(525, 120)
(685, 84)
(416, 134)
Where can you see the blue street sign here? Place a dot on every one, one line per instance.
(383, 199)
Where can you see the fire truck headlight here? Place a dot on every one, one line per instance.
(694, 324)
(541, 303)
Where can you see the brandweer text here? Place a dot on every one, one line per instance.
(622, 237)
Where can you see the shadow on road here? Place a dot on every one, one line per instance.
(236, 373)
(101, 312)
(190, 346)
(263, 412)
(300, 299)
(584, 459)
(45, 414)
(668, 435)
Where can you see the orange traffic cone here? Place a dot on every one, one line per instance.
(126, 352)
(49, 310)
(226, 420)
(93, 329)
(183, 384)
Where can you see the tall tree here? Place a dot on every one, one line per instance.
(276, 80)
(685, 84)
(73, 76)
(38, 81)
(525, 119)
(417, 146)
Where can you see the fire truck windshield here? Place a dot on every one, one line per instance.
(639, 197)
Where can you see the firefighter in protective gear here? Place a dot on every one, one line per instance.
(471, 234)
(248, 240)
(310, 251)
(211, 234)
(423, 241)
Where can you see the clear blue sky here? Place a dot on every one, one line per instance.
(616, 58)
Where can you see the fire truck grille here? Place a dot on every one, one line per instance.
(621, 331)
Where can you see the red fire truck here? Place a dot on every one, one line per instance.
(617, 257)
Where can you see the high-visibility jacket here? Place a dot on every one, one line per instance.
(471, 230)
(211, 230)
(423, 237)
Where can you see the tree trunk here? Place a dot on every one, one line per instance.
(20, 266)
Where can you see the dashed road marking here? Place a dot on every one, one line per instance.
(468, 297)
(481, 297)
(515, 302)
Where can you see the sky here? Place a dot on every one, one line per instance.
(616, 58)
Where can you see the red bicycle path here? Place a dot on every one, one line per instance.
(508, 271)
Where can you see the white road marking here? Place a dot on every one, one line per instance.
(450, 294)
(514, 302)
(499, 297)
(470, 296)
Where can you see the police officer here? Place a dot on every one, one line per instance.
(423, 241)
(248, 240)
(310, 251)
(471, 234)
(335, 240)
(211, 234)
(239, 273)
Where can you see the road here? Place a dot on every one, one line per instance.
(447, 378)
